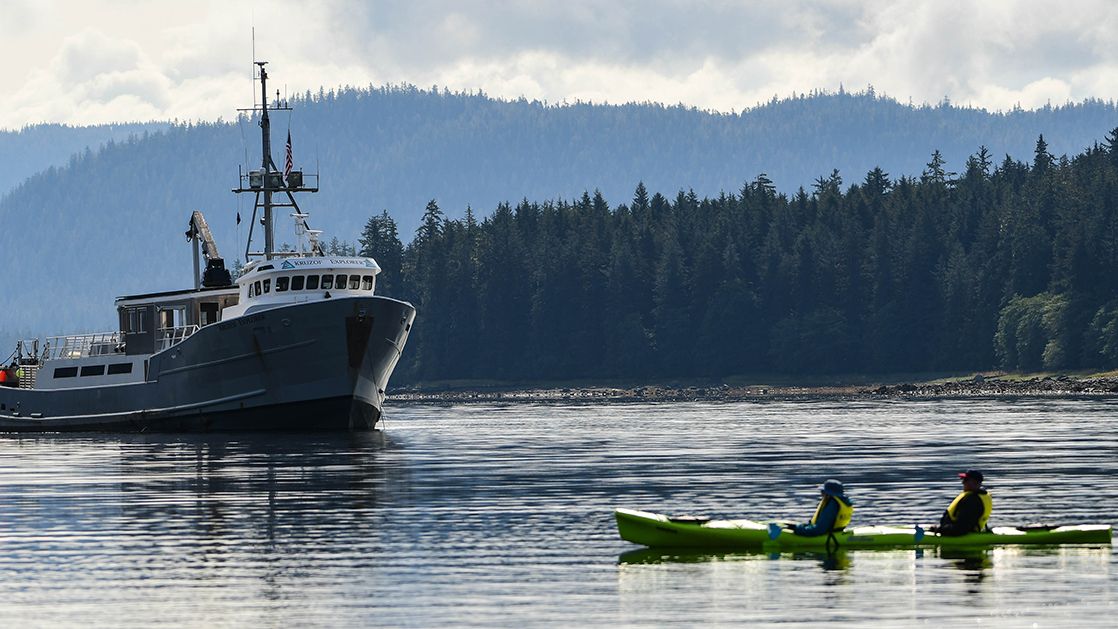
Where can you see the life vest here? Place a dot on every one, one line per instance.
(987, 507)
(845, 511)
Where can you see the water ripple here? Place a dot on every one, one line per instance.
(502, 516)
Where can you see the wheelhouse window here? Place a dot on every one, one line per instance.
(297, 282)
(354, 282)
(281, 283)
(327, 282)
(267, 286)
(251, 291)
(312, 282)
(93, 370)
(367, 282)
(258, 291)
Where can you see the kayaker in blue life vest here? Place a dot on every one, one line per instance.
(832, 514)
(969, 511)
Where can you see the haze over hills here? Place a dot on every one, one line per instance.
(26, 151)
(110, 222)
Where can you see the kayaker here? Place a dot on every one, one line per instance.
(832, 514)
(969, 511)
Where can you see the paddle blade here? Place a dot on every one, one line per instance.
(774, 531)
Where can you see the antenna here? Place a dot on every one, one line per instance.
(254, 64)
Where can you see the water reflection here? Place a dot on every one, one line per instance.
(837, 560)
(199, 503)
(976, 561)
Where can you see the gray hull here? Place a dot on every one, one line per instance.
(320, 365)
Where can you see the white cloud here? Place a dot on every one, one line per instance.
(90, 61)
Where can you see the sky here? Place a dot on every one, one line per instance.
(84, 62)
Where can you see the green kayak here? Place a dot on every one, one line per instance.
(655, 530)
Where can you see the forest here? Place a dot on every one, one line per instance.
(1007, 264)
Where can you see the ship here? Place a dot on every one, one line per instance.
(298, 341)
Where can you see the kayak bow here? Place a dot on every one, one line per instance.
(660, 531)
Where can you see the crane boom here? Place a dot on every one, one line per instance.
(216, 274)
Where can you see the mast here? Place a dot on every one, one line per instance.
(266, 141)
(269, 180)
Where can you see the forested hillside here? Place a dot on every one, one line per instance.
(26, 151)
(1011, 264)
(110, 221)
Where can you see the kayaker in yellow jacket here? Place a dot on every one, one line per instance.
(969, 511)
(832, 514)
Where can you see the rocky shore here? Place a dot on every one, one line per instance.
(977, 386)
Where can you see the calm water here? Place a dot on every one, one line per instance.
(502, 516)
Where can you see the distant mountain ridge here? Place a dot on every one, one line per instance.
(26, 151)
(109, 222)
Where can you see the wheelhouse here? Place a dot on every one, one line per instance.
(266, 284)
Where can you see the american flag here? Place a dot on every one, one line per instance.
(288, 165)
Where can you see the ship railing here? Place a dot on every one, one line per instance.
(82, 345)
(169, 337)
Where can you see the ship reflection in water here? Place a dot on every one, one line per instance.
(503, 516)
(243, 519)
(195, 482)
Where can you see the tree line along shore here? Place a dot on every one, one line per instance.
(1006, 265)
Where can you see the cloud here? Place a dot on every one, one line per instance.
(94, 61)
(21, 15)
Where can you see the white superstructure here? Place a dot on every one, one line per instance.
(283, 281)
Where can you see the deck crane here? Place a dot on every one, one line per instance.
(216, 274)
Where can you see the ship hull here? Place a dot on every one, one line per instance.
(321, 365)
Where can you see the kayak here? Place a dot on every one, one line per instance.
(660, 531)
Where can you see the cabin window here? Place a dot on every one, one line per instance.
(281, 283)
(258, 291)
(354, 282)
(267, 286)
(120, 368)
(207, 313)
(251, 291)
(327, 282)
(65, 372)
(297, 282)
(93, 370)
(312, 282)
(172, 318)
(367, 282)
(135, 321)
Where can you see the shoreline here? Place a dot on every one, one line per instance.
(961, 389)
